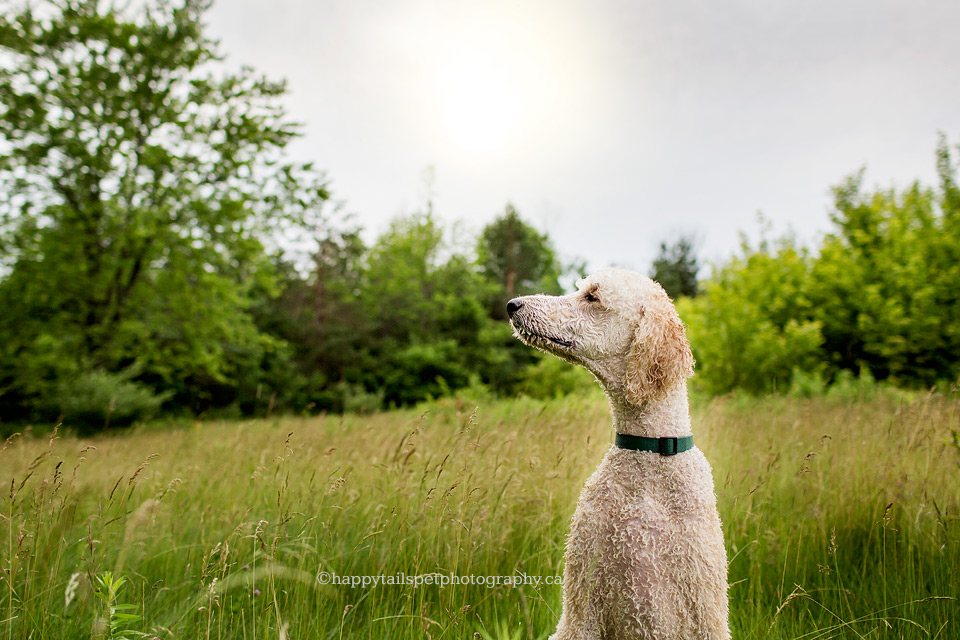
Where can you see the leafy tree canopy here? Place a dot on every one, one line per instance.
(141, 187)
(879, 296)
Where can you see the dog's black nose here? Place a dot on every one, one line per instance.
(513, 306)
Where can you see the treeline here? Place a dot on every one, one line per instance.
(878, 297)
(414, 315)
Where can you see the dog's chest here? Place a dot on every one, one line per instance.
(649, 489)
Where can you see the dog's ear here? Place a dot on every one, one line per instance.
(660, 355)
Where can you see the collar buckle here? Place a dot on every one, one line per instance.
(667, 446)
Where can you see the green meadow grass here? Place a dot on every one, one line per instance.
(840, 517)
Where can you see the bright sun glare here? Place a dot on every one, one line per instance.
(502, 86)
(479, 106)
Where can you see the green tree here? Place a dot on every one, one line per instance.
(886, 284)
(750, 327)
(518, 259)
(882, 295)
(141, 184)
(425, 300)
(322, 318)
(676, 268)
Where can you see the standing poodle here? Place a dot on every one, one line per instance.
(645, 556)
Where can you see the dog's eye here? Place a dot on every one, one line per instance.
(589, 296)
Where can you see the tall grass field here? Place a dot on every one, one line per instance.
(840, 518)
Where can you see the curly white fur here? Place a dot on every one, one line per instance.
(645, 555)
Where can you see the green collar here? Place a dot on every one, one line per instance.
(663, 446)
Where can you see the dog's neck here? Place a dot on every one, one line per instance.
(668, 417)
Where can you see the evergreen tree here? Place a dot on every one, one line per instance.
(676, 267)
(518, 258)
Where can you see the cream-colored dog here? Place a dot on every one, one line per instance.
(645, 555)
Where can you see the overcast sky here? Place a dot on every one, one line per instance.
(609, 124)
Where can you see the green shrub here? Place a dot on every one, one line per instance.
(750, 327)
(100, 399)
(807, 384)
(554, 378)
(355, 399)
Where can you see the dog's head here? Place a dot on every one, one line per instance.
(620, 325)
